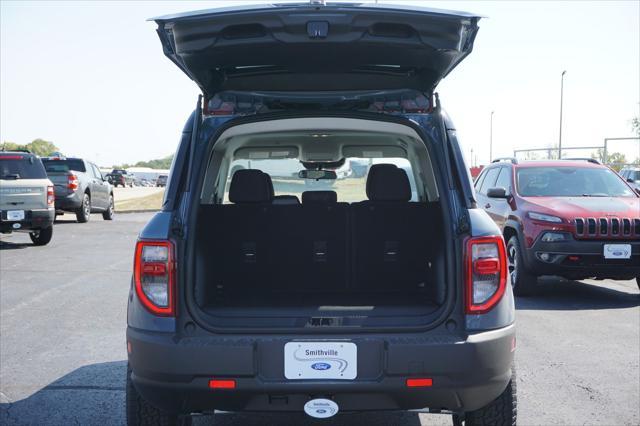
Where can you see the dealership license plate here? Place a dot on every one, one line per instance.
(320, 360)
(15, 215)
(617, 251)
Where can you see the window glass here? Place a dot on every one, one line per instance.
(504, 179)
(570, 182)
(350, 184)
(479, 180)
(13, 167)
(489, 180)
(63, 165)
(96, 171)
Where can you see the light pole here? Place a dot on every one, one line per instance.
(560, 133)
(491, 138)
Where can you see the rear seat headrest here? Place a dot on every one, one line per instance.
(387, 182)
(324, 197)
(250, 186)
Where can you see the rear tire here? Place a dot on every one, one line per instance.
(141, 413)
(523, 283)
(41, 237)
(84, 212)
(108, 213)
(502, 411)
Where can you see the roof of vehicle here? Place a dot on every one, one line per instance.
(559, 163)
(61, 158)
(15, 153)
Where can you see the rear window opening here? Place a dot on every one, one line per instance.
(363, 249)
(63, 165)
(17, 166)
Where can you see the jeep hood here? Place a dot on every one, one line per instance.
(572, 207)
(305, 47)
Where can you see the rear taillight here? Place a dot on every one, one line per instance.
(154, 276)
(72, 181)
(51, 196)
(486, 273)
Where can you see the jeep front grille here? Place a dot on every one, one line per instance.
(610, 227)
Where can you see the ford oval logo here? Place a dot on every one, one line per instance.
(321, 366)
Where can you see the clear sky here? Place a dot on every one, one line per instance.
(91, 77)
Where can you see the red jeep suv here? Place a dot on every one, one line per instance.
(572, 218)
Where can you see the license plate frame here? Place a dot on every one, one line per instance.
(320, 360)
(15, 215)
(617, 251)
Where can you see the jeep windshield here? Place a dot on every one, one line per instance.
(13, 166)
(570, 182)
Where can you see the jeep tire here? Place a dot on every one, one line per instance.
(523, 282)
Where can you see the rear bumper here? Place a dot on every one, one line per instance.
(68, 202)
(173, 374)
(578, 259)
(34, 219)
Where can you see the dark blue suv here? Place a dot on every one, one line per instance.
(278, 279)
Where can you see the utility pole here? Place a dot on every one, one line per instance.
(491, 138)
(561, 99)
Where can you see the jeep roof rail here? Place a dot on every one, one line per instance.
(590, 160)
(513, 160)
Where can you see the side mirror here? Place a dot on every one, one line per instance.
(317, 174)
(497, 192)
(630, 180)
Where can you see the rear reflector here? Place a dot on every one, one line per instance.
(222, 384)
(419, 383)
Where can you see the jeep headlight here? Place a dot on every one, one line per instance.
(545, 217)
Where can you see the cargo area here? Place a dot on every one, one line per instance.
(366, 249)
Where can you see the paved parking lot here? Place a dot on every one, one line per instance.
(63, 358)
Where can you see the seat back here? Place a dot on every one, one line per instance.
(390, 234)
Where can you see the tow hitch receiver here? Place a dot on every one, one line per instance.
(321, 408)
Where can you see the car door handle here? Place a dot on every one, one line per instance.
(487, 206)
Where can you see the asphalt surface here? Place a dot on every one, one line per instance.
(63, 357)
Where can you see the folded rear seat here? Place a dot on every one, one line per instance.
(390, 234)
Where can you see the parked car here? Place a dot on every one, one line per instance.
(571, 218)
(80, 188)
(121, 177)
(320, 306)
(631, 175)
(26, 197)
(162, 180)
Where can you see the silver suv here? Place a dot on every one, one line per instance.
(26, 197)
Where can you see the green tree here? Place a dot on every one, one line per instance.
(615, 159)
(11, 146)
(42, 148)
